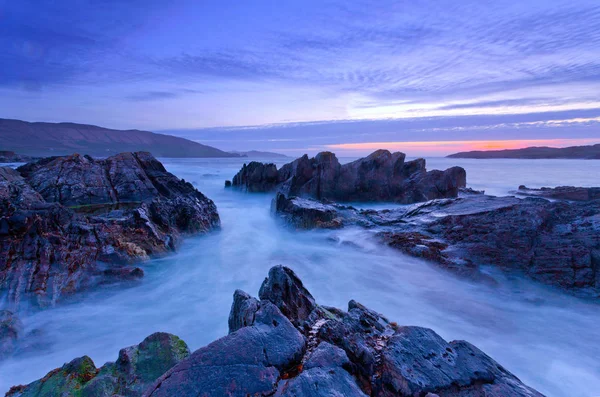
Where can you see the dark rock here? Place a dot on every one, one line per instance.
(228, 183)
(306, 214)
(11, 329)
(7, 156)
(382, 176)
(332, 353)
(256, 177)
(556, 243)
(284, 289)
(68, 223)
(571, 193)
(135, 370)
(248, 361)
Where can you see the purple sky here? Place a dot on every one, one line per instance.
(296, 76)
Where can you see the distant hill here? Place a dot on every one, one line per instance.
(256, 153)
(52, 139)
(573, 152)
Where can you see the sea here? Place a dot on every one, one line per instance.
(547, 338)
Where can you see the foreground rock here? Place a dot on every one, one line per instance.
(67, 223)
(287, 345)
(136, 368)
(382, 176)
(556, 243)
(571, 193)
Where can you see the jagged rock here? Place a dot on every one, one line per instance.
(11, 329)
(306, 214)
(381, 176)
(284, 289)
(556, 243)
(571, 193)
(248, 361)
(135, 370)
(68, 223)
(329, 353)
(7, 156)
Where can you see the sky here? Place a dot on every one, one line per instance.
(351, 76)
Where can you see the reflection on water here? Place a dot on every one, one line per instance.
(548, 339)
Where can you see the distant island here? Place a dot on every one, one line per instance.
(54, 139)
(256, 153)
(591, 152)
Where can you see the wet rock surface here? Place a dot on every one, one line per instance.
(382, 176)
(571, 193)
(67, 223)
(328, 352)
(556, 243)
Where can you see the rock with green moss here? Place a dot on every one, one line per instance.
(136, 368)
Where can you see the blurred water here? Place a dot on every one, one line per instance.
(548, 339)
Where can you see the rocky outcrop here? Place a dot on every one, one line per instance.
(311, 350)
(382, 176)
(136, 368)
(11, 329)
(571, 193)
(556, 243)
(67, 223)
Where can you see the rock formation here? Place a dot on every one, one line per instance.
(571, 193)
(67, 223)
(287, 345)
(382, 176)
(556, 243)
(7, 156)
(136, 368)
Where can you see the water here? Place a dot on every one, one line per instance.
(548, 339)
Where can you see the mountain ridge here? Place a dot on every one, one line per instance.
(589, 152)
(52, 139)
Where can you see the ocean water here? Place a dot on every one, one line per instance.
(548, 339)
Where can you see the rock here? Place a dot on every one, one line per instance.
(556, 243)
(68, 223)
(248, 361)
(329, 353)
(381, 176)
(11, 329)
(135, 370)
(65, 381)
(285, 290)
(227, 183)
(256, 177)
(571, 193)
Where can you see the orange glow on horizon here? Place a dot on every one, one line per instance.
(461, 146)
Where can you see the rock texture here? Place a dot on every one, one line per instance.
(136, 368)
(287, 345)
(571, 193)
(67, 223)
(556, 243)
(382, 176)
(11, 329)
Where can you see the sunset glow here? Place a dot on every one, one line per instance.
(447, 147)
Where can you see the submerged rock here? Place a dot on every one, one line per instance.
(328, 353)
(571, 193)
(135, 370)
(556, 243)
(381, 176)
(67, 223)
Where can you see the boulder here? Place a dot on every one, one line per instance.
(135, 370)
(68, 223)
(381, 176)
